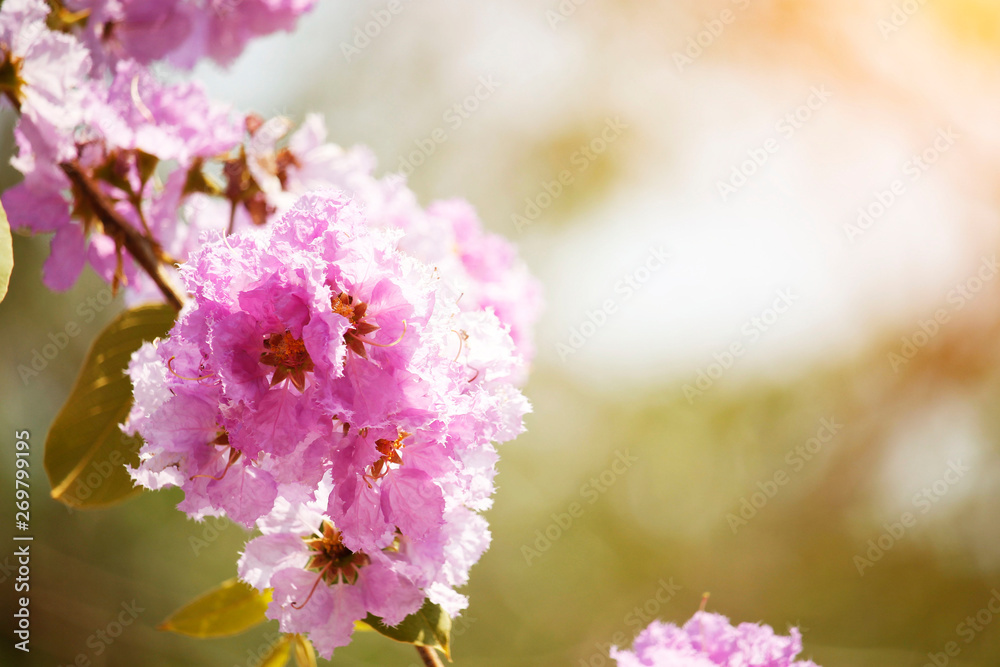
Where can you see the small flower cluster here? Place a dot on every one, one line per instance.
(708, 640)
(326, 386)
(106, 148)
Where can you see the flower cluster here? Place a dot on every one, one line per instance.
(344, 360)
(708, 640)
(325, 385)
(108, 151)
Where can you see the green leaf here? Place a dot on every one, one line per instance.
(6, 254)
(305, 655)
(230, 609)
(429, 626)
(86, 452)
(279, 655)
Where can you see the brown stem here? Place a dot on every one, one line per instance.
(429, 656)
(141, 248)
(232, 217)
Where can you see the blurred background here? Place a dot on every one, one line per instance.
(770, 359)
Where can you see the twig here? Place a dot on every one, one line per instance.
(232, 217)
(429, 656)
(141, 248)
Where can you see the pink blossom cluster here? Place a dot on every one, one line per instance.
(326, 385)
(708, 640)
(77, 74)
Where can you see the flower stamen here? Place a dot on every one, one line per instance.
(289, 357)
(462, 337)
(139, 104)
(312, 590)
(234, 456)
(392, 344)
(389, 453)
(354, 311)
(332, 560)
(170, 367)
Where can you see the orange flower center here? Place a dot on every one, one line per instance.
(289, 357)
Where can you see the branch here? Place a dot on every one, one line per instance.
(429, 656)
(141, 248)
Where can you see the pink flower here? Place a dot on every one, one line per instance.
(222, 28)
(315, 346)
(707, 640)
(321, 587)
(182, 31)
(46, 80)
(144, 30)
(192, 449)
